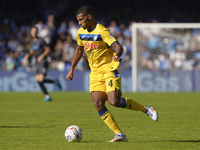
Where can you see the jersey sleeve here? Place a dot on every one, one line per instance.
(78, 39)
(108, 37)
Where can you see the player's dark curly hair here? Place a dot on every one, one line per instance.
(85, 10)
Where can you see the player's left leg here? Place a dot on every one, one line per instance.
(43, 70)
(113, 88)
(40, 78)
(57, 82)
(128, 103)
(114, 98)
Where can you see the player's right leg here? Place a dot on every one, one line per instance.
(99, 102)
(97, 90)
(40, 74)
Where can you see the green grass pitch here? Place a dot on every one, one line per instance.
(28, 123)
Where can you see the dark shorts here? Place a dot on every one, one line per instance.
(41, 68)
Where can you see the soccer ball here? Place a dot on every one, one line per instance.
(73, 134)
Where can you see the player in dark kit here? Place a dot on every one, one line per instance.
(40, 50)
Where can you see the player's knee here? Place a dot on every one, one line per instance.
(114, 102)
(39, 81)
(99, 105)
(114, 98)
(39, 78)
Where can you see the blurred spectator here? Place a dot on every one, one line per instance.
(68, 54)
(127, 30)
(12, 43)
(44, 32)
(52, 30)
(63, 28)
(57, 55)
(9, 63)
(126, 62)
(120, 39)
(114, 29)
(72, 29)
(177, 58)
(83, 64)
(164, 62)
(19, 54)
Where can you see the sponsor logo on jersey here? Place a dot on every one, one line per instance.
(36, 46)
(87, 45)
(95, 37)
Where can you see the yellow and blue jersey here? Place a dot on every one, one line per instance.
(97, 46)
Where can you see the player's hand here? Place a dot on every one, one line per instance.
(70, 75)
(39, 59)
(117, 59)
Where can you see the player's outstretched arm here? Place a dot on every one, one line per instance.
(119, 51)
(77, 56)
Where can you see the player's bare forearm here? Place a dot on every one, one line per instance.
(119, 51)
(77, 56)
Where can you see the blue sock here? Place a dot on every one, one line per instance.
(103, 111)
(123, 102)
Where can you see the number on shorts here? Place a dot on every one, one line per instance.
(110, 83)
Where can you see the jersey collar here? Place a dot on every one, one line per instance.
(93, 28)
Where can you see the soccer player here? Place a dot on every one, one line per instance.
(40, 50)
(103, 52)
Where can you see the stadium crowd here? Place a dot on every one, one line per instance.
(15, 43)
(58, 26)
(169, 49)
